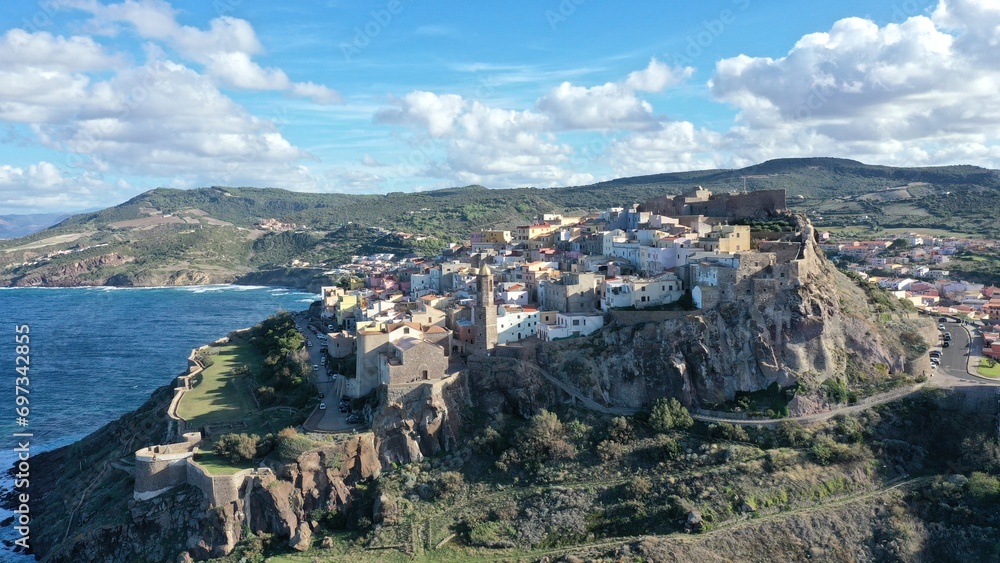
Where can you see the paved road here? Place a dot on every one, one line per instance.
(960, 361)
(330, 419)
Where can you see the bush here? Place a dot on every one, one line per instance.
(237, 447)
(610, 450)
(290, 445)
(668, 414)
(620, 430)
(983, 487)
(544, 439)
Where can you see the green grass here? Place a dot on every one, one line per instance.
(216, 465)
(221, 396)
(987, 371)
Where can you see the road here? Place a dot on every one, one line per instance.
(959, 359)
(330, 419)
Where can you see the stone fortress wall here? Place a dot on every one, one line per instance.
(160, 468)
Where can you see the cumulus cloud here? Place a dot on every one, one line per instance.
(43, 186)
(226, 48)
(903, 91)
(485, 144)
(613, 105)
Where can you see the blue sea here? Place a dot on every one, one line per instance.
(98, 352)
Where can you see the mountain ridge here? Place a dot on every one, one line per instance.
(214, 234)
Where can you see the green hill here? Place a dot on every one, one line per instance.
(210, 235)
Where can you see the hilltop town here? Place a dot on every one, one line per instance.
(554, 279)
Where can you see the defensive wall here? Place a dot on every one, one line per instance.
(160, 468)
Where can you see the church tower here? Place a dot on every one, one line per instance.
(485, 313)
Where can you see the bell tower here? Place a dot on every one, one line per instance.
(485, 312)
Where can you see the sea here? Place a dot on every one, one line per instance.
(96, 353)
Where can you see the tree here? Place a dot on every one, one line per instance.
(237, 447)
(899, 245)
(668, 414)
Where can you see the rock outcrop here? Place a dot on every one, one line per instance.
(793, 321)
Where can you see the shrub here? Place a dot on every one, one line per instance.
(639, 487)
(290, 445)
(983, 487)
(544, 439)
(668, 414)
(610, 450)
(237, 447)
(620, 430)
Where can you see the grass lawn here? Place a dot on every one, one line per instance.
(220, 466)
(221, 396)
(986, 371)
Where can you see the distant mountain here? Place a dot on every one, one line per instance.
(210, 235)
(14, 226)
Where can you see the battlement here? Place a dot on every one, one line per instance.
(761, 203)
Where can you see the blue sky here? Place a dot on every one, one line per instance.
(100, 101)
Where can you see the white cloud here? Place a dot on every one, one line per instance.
(613, 105)
(907, 93)
(656, 77)
(508, 147)
(675, 147)
(226, 48)
(42, 187)
(436, 113)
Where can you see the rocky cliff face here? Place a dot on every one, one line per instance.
(802, 329)
(421, 420)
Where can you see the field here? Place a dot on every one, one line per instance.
(222, 396)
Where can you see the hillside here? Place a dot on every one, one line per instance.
(213, 235)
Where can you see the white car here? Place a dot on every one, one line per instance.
(315, 367)
(322, 406)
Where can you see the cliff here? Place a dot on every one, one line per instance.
(786, 315)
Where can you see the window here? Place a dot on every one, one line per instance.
(424, 374)
(576, 322)
(406, 330)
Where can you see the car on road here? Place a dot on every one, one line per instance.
(309, 343)
(315, 367)
(322, 406)
(947, 336)
(941, 327)
(322, 395)
(943, 320)
(329, 327)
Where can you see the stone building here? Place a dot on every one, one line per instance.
(573, 293)
(485, 317)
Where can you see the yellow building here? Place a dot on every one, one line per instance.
(728, 238)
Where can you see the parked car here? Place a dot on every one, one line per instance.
(322, 406)
(321, 395)
(946, 344)
(315, 367)
(941, 327)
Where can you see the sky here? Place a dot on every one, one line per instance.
(103, 100)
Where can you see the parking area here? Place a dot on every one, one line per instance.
(332, 418)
